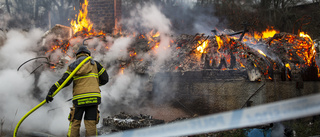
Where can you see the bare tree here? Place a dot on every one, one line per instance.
(29, 13)
(8, 6)
(63, 10)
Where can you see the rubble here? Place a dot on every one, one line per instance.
(283, 53)
(123, 121)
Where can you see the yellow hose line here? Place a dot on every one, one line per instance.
(44, 101)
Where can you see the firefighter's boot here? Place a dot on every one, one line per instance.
(91, 129)
(74, 129)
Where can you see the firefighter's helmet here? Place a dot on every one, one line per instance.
(83, 49)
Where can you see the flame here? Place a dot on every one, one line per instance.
(153, 40)
(132, 53)
(241, 64)
(261, 53)
(82, 21)
(151, 36)
(220, 42)
(142, 37)
(121, 70)
(288, 66)
(52, 48)
(306, 49)
(269, 32)
(156, 35)
(304, 35)
(59, 44)
(203, 45)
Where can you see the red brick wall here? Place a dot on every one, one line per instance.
(104, 14)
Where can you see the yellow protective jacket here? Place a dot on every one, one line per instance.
(86, 81)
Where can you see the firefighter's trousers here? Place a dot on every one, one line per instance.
(91, 119)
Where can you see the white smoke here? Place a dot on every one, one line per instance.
(149, 17)
(18, 92)
(123, 92)
(18, 47)
(119, 49)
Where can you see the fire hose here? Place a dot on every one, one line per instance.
(44, 101)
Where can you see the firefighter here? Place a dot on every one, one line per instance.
(86, 93)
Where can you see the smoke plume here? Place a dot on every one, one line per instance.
(18, 88)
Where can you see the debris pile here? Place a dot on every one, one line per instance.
(280, 53)
(123, 121)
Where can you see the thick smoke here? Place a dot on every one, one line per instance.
(18, 88)
(149, 17)
(124, 89)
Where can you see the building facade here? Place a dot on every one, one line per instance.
(105, 15)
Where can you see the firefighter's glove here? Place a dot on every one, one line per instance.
(49, 99)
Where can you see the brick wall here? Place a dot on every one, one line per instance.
(104, 14)
(201, 93)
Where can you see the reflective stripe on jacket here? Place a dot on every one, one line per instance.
(86, 89)
(86, 81)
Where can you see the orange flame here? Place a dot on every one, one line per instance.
(220, 42)
(202, 47)
(302, 34)
(241, 65)
(151, 36)
(59, 44)
(132, 53)
(269, 32)
(308, 48)
(121, 70)
(262, 53)
(82, 21)
(288, 66)
(156, 35)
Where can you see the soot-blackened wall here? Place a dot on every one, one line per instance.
(105, 14)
